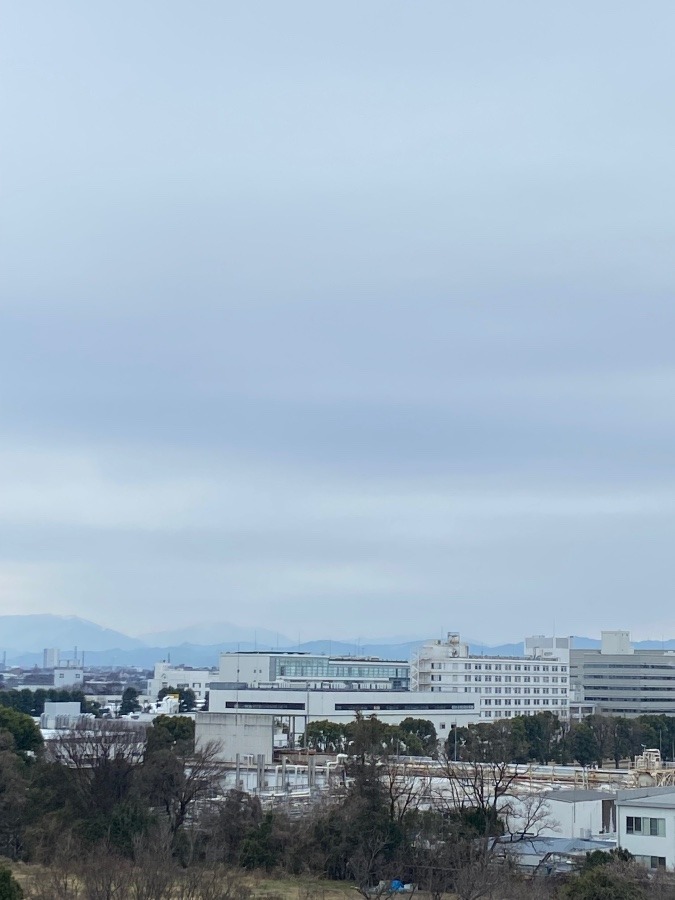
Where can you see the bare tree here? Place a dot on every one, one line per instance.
(104, 876)
(102, 756)
(403, 790)
(212, 883)
(176, 780)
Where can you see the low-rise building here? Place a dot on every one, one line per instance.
(646, 828)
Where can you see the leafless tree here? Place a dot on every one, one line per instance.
(176, 780)
(102, 755)
(104, 875)
(211, 883)
(404, 790)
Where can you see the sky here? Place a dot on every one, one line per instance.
(343, 320)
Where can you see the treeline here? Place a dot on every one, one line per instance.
(32, 703)
(413, 737)
(543, 738)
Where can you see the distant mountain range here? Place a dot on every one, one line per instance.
(23, 638)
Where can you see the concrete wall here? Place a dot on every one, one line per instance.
(237, 733)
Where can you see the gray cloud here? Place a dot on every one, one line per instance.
(332, 319)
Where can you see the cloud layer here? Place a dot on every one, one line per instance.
(342, 324)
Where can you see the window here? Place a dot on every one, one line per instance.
(645, 825)
(657, 827)
(442, 726)
(652, 862)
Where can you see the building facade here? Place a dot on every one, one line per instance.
(619, 680)
(281, 668)
(166, 675)
(646, 828)
(295, 707)
(499, 686)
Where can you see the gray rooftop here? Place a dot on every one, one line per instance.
(660, 801)
(578, 796)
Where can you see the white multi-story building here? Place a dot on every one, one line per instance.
(167, 675)
(289, 669)
(500, 686)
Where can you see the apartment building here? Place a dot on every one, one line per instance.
(619, 680)
(500, 686)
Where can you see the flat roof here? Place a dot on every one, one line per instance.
(578, 796)
(662, 801)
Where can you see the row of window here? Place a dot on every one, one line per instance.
(526, 702)
(645, 825)
(507, 713)
(512, 690)
(508, 667)
(515, 679)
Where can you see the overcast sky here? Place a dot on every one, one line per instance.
(349, 320)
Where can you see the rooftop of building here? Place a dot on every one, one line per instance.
(665, 800)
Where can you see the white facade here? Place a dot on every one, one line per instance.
(68, 677)
(60, 714)
(647, 829)
(166, 675)
(300, 705)
(243, 734)
(501, 687)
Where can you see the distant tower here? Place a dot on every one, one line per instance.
(50, 657)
